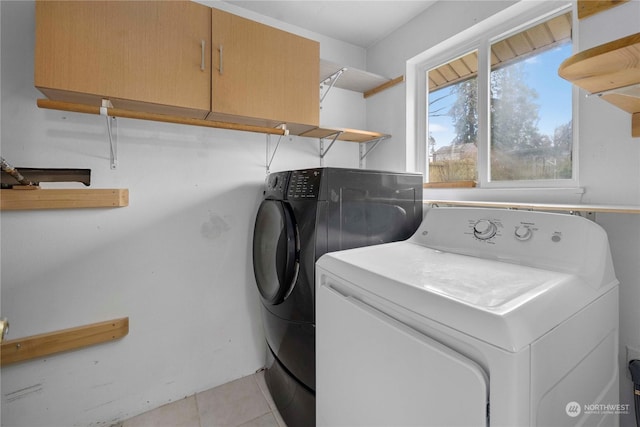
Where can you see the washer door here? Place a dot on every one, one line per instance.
(275, 249)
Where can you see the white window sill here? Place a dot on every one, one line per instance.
(566, 195)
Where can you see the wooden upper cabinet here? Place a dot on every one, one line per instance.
(262, 75)
(141, 55)
(168, 57)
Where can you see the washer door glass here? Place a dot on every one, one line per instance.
(274, 251)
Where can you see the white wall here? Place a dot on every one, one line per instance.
(609, 158)
(610, 173)
(177, 260)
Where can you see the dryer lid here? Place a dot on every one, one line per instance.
(504, 304)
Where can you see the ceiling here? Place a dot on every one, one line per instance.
(361, 23)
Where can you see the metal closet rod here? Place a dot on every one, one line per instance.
(128, 114)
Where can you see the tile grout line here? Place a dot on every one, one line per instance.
(264, 396)
(195, 398)
(270, 402)
(255, 378)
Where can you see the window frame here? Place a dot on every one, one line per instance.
(480, 38)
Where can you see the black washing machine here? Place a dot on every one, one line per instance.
(305, 214)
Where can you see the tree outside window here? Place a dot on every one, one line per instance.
(530, 110)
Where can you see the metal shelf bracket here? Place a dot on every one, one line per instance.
(632, 90)
(269, 154)
(323, 150)
(364, 152)
(331, 81)
(584, 214)
(112, 130)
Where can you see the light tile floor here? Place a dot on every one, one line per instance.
(245, 402)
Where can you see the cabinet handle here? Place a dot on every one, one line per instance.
(220, 50)
(202, 55)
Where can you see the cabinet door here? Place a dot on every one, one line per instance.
(143, 55)
(263, 73)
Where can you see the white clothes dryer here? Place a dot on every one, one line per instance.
(484, 317)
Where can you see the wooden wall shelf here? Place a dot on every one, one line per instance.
(21, 349)
(351, 135)
(591, 7)
(138, 115)
(611, 71)
(63, 198)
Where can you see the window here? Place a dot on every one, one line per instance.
(506, 120)
(453, 120)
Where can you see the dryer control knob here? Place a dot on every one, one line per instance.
(484, 229)
(523, 232)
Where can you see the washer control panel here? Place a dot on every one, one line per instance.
(488, 229)
(563, 241)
